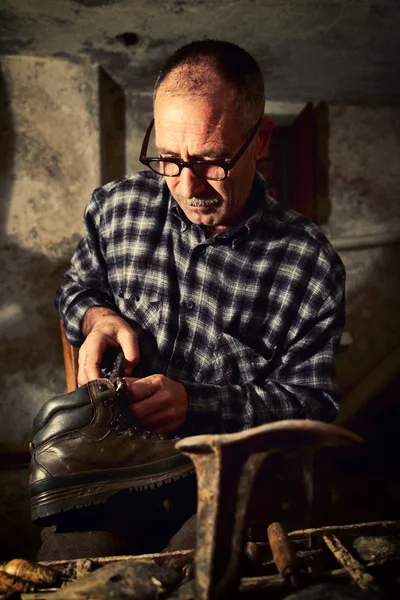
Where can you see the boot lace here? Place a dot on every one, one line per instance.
(121, 419)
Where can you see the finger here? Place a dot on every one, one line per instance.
(130, 347)
(141, 388)
(158, 412)
(89, 366)
(129, 380)
(90, 358)
(149, 406)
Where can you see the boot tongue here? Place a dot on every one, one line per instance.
(63, 413)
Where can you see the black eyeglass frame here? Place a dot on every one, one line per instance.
(225, 165)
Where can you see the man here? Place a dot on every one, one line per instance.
(227, 308)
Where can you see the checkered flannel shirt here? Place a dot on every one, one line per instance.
(248, 320)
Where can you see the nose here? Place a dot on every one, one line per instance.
(190, 185)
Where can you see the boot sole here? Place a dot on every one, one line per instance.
(73, 492)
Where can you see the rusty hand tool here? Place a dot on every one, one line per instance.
(40, 575)
(283, 553)
(254, 554)
(356, 570)
(226, 467)
(117, 373)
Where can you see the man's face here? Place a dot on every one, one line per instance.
(194, 128)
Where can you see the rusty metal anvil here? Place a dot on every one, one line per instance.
(226, 467)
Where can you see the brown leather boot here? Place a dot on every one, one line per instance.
(86, 447)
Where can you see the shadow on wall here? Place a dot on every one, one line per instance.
(31, 351)
(7, 150)
(372, 316)
(112, 128)
(31, 372)
(14, 511)
(324, 207)
(31, 356)
(28, 321)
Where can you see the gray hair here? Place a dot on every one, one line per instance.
(230, 63)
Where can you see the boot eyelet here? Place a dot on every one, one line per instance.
(146, 435)
(102, 387)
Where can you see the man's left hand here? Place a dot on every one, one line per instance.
(158, 403)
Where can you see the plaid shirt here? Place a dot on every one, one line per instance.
(248, 320)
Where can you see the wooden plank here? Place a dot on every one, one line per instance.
(70, 362)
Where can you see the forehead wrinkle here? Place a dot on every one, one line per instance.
(194, 143)
(208, 152)
(187, 126)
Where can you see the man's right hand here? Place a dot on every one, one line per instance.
(103, 329)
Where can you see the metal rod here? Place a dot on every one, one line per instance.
(356, 570)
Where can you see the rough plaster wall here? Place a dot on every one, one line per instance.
(340, 50)
(50, 116)
(364, 178)
(364, 183)
(49, 165)
(139, 114)
(373, 289)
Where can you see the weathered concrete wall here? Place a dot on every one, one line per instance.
(50, 119)
(364, 145)
(364, 183)
(340, 51)
(49, 165)
(139, 115)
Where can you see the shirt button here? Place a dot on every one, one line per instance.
(189, 304)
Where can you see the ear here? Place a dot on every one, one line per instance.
(263, 136)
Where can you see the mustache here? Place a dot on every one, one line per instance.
(197, 201)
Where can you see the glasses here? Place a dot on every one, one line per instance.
(206, 169)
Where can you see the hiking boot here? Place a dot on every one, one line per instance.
(87, 447)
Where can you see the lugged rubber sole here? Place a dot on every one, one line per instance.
(46, 504)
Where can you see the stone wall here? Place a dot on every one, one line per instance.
(50, 119)
(138, 116)
(364, 179)
(49, 165)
